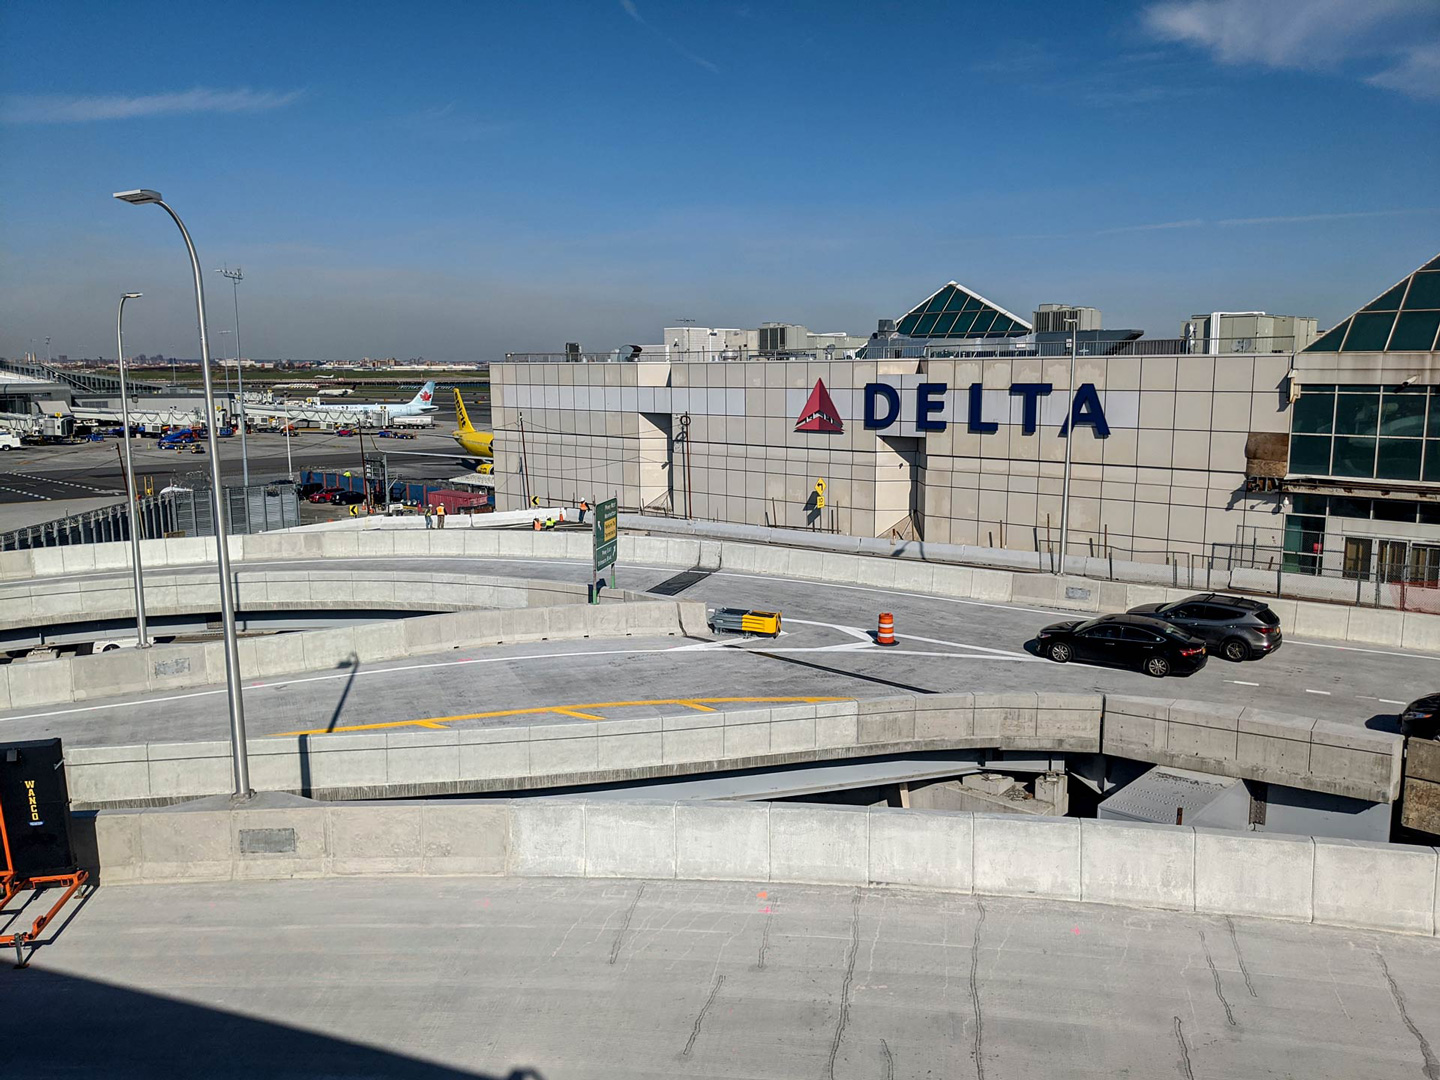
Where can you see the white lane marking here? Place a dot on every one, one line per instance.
(1325, 692)
(1240, 682)
(1389, 701)
(1356, 648)
(855, 631)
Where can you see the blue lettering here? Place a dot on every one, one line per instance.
(929, 398)
(975, 425)
(874, 393)
(1086, 409)
(1031, 392)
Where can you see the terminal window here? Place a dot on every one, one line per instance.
(1367, 432)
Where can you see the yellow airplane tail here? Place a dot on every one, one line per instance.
(461, 415)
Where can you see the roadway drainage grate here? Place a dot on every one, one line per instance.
(679, 583)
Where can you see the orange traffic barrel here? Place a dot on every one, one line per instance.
(885, 635)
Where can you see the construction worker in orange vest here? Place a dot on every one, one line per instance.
(440, 515)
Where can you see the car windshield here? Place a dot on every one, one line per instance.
(1086, 625)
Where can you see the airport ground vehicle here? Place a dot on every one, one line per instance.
(1132, 641)
(1421, 718)
(1234, 627)
(345, 432)
(741, 621)
(171, 439)
(9, 440)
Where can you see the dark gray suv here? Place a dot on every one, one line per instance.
(1234, 627)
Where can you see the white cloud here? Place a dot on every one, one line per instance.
(62, 109)
(628, 6)
(1401, 36)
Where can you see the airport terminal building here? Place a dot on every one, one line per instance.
(1246, 438)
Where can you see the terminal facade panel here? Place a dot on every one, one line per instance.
(1168, 472)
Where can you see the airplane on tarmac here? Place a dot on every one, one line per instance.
(479, 443)
(419, 405)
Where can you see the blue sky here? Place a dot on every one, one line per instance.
(455, 180)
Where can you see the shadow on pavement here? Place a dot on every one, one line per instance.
(83, 1027)
(1389, 722)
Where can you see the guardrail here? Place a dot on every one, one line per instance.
(1296, 878)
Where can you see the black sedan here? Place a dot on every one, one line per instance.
(1130, 641)
(347, 498)
(1421, 718)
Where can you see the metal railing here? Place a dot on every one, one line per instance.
(935, 349)
(258, 508)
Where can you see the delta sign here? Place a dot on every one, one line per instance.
(914, 406)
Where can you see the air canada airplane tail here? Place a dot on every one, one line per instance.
(424, 401)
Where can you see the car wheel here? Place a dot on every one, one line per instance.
(110, 647)
(1059, 652)
(1235, 650)
(1157, 666)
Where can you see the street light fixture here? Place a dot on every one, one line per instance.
(240, 762)
(1074, 325)
(140, 631)
(236, 276)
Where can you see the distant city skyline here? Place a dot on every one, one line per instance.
(468, 181)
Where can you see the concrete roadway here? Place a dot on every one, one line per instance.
(946, 645)
(549, 980)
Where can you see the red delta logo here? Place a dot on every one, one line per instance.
(820, 413)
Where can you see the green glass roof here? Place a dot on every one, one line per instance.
(954, 313)
(1404, 318)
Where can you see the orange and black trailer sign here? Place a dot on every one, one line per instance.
(35, 806)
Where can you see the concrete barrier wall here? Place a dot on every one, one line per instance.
(846, 560)
(181, 666)
(1255, 744)
(39, 603)
(1314, 880)
(555, 750)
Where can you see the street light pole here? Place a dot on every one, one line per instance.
(140, 631)
(240, 761)
(236, 276)
(1074, 325)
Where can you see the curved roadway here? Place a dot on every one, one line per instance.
(946, 645)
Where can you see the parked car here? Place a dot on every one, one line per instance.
(1132, 641)
(1421, 718)
(345, 432)
(402, 434)
(323, 495)
(347, 498)
(1234, 627)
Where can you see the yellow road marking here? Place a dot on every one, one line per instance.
(581, 711)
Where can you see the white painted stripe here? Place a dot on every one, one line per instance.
(1325, 692)
(1241, 682)
(1390, 701)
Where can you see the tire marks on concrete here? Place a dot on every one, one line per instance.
(1432, 1064)
(700, 1017)
(1215, 974)
(1240, 957)
(1184, 1063)
(625, 925)
(978, 1050)
(845, 987)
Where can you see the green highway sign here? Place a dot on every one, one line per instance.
(607, 534)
